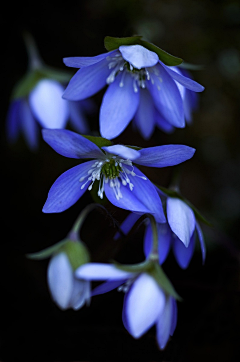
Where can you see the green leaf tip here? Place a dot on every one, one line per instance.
(112, 43)
(99, 141)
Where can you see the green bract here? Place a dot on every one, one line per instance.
(32, 77)
(112, 43)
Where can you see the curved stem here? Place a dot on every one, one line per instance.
(35, 60)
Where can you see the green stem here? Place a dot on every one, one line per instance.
(35, 60)
(154, 255)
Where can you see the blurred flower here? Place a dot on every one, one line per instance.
(138, 83)
(124, 185)
(145, 302)
(37, 100)
(67, 291)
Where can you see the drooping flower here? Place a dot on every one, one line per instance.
(179, 233)
(132, 72)
(37, 101)
(145, 302)
(113, 167)
(66, 290)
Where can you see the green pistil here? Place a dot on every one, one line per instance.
(110, 170)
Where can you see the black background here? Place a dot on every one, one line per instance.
(32, 327)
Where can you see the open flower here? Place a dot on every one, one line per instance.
(145, 303)
(113, 167)
(67, 291)
(128, 70)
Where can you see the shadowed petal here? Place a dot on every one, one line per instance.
(164, 156)
(99, 271)
(185, 81)
(29, 125)
(164, 241)
(143, 304)
(13, 124)
(70, 144)
(182, 254)
(145, 115)
(77, 118)
(162, 123)
(166, 96)
(67, 189)
(125, 152)
(47, 104)
(127, 224)
(201, 241)
(181, 219)
(138, 56)
(79, 62)
(118, 106)
(164, 324)
(174, 316)
(87, 81)
(107, 287)
(60, 280)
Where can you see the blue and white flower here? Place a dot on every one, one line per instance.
(179, 232)
(136, 78)
(66, 290)
(113, 168)
(145, 303)
(45, 107)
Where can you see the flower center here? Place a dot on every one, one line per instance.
(140, 76)
(113, 170)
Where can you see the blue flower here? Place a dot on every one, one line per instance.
(180, 232)
(66, 290)
(145, 303)
(132, 72)
(124, 184)
(44, 106)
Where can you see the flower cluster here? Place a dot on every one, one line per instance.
(146, 85)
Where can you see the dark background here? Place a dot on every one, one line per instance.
(32, 327)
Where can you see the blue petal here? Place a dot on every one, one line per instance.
(29, 125)
(125, 152)
(174, 316)
(127, 224)
(185, 81)
(138, 56)
(143, 303)
(181, 219)
(107, 287)
(101, 271)
(47, 104)
(140, 199)
(70, 144)
(164, 241)
(166, 96)
(13, 120)
(87, 81)
(164, 324)
(79, 62)
(163, 156)
(118, 106)
(201, 241)
(182, 254)
(145, 115)
(67, 189)
(162, 123)
(77, 117)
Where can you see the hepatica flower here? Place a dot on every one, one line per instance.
(37, 101)
(113, 167)
(180, 233)
(145, 302)
(137, 78)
